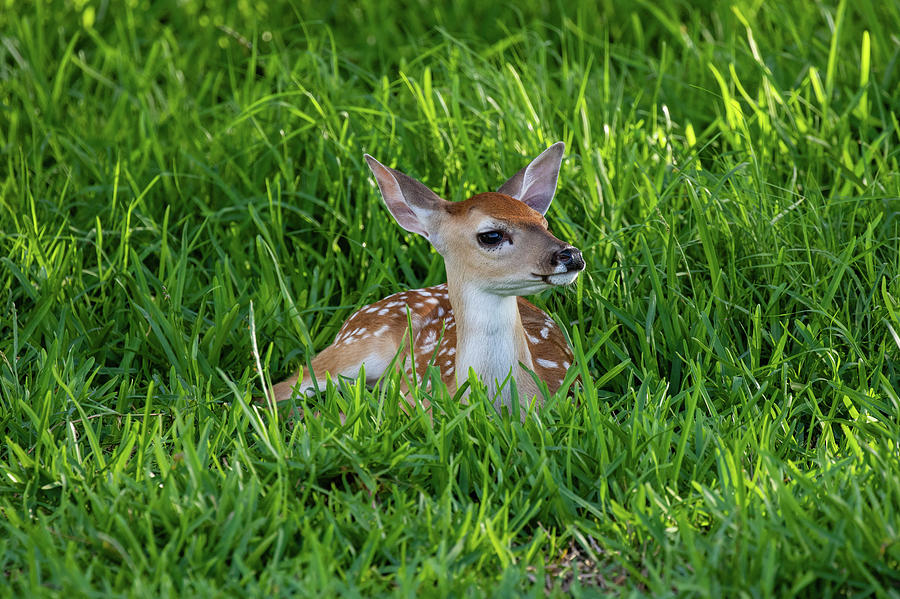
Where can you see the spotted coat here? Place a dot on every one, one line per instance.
(434, 333)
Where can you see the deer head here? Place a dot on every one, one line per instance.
(496, 243)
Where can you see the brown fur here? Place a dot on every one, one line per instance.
(545, 340)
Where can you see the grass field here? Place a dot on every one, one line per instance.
(181, 181)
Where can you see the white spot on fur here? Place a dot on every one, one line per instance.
(547, 363)
(381, 331)
(532, 338)
(430, 341)
(382, 312)
(545, 332)
(566, 365)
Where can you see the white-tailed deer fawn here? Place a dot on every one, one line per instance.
(496, 247)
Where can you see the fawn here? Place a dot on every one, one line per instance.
(496, 247)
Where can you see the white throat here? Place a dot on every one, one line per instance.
(490, 340)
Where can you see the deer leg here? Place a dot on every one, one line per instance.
(343, 358)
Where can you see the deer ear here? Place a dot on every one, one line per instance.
(536, 183)
(409, 201)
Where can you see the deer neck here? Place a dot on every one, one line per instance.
(490, 339)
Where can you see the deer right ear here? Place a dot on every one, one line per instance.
(408, 200)
(536, 183)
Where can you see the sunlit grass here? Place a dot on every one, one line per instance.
(731, 177)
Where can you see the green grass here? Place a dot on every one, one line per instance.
(172, 173)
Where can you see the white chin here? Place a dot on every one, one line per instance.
(563, 278)
(529, 288)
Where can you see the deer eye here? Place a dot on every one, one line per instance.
(491, 238)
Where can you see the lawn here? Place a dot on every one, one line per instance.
(185, 211)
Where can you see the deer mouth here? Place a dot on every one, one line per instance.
(555, 279)
(549, 278)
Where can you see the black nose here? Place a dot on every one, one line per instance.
(570, 258)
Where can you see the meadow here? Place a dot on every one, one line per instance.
(185, 212)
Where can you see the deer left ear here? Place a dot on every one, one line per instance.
(410, 201)
(536, 183)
